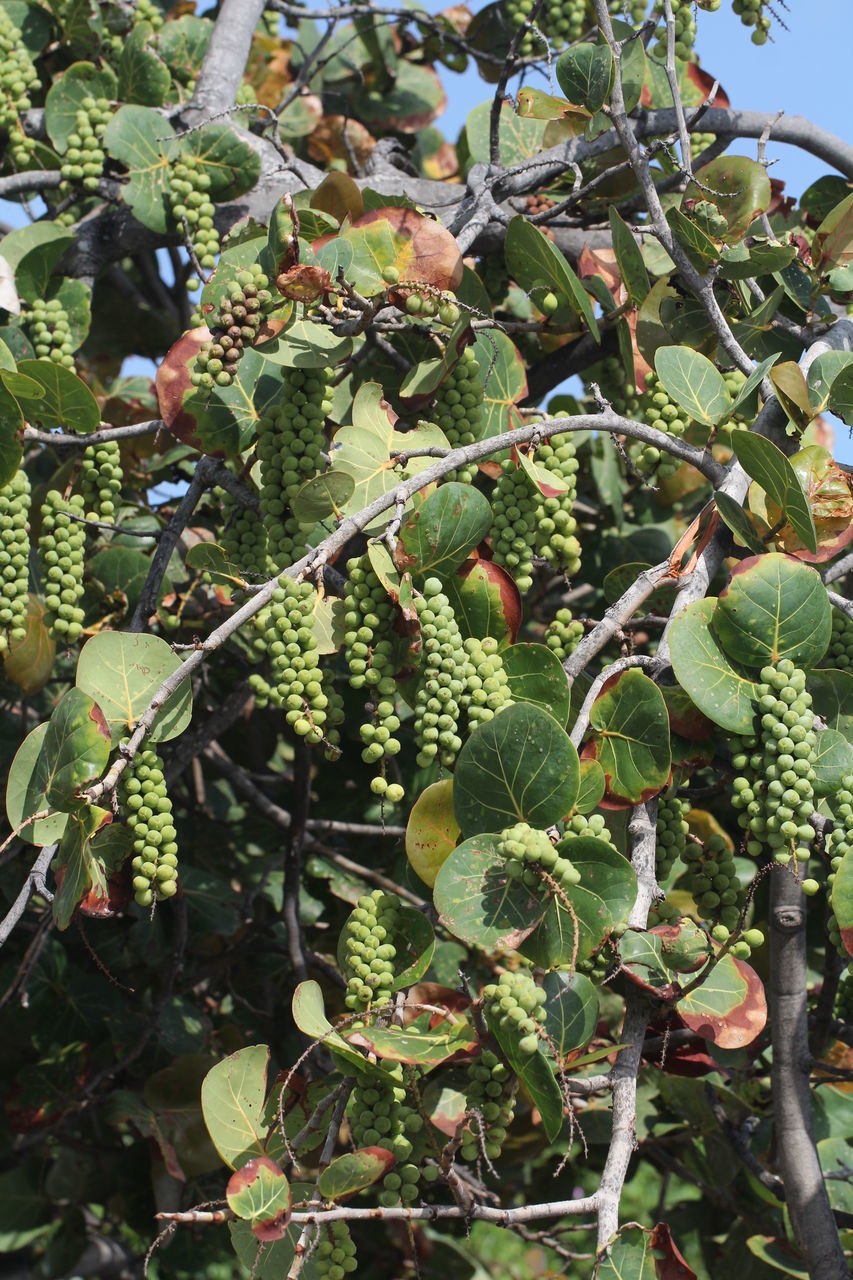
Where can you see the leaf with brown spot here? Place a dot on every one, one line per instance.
(729, 1008)
(260, 1194)
(419, 248)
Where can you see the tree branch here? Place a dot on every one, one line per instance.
(34, 883)
(805, 1191)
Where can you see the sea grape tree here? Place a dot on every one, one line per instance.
(429, 809)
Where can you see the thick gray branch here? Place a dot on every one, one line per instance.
(805, 1191)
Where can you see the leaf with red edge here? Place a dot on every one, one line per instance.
(504, 381)
(685, 718)
(669, 1262)
(418, 247)
(543, 480)
(260, 1194)
(630, 737)
(833, 241)
(729, 1008)
(828, 493)
(112, 847)
(485, 600)
(416, 1044)
(478, 902)
(738, 186)
(352, 1172)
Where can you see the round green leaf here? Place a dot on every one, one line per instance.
(536, 675)
(832, 699)
(586, 73)
(232, 1103)
(442, 532)
(518, 767)
(570, 1014)
(592, 786)
(354, 1171)
(738, 186)
(630, 736)
(718, 688)
(24, 796)
(478, 902)
(65, 400)
(122, 672)
(774, 607)
(694, 383)
(322, 496)
(833, 761)
(135, 137)
(231, 164)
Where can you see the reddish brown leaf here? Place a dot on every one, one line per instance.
(174, 385)
(304, 283)
(103, 907)
(435, 999)
(742, 1024)
(705, 83)
(669, 1263)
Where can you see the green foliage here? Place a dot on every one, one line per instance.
(478, 811)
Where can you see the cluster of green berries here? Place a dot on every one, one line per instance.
(14, 558)
(148, 11)
(751, 14)
(291, 443)
(556, 526)
(145, 801)
(601, 964)
(297, 681)
(562, 21)
(685, 29)
(369, 950)
(839, 847)
(233, 326)
(713, 882)
(369, 617)
(774, 791)
(529, 853)
(422, 301)
(50, 332)
(381, 1116)
(589, 825)
(85, 158)
(563, 634)
(334, 1256)
(844, 1000)
(101, 480)
(60, 558)
(707, 217)
(442, 680)
(748, 940)
(617, 388)
(635, 10)
(189, 197)
(495, 278)
(459, 408)
(840, 651)
(486, 690)
(670, 834)
(515, 518)
(490, 1098)
(512, 1004)
(661, 412)
(700, 142)
(18, 78)
(244, 538)
(734, 380)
